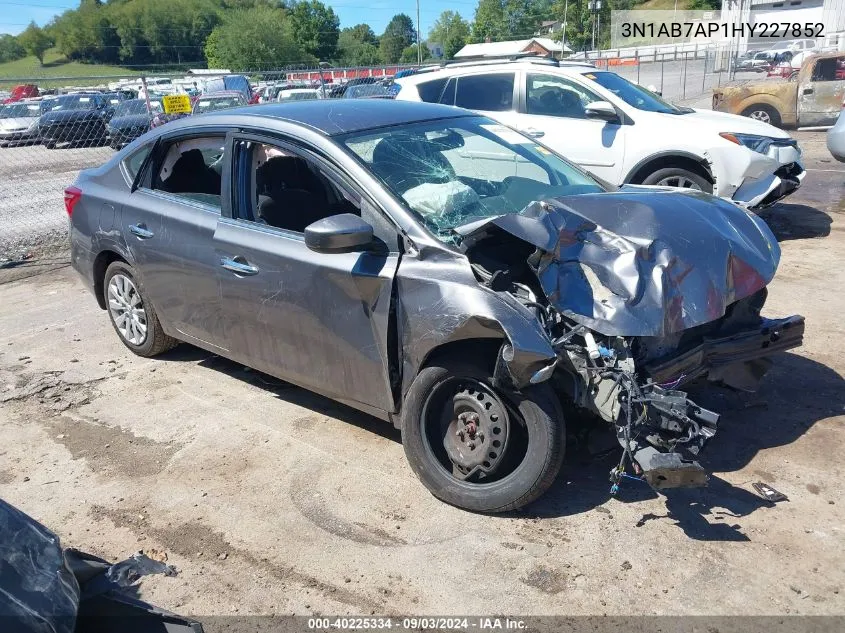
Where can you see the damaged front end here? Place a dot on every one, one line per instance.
(641, 293)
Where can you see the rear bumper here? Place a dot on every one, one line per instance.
(836, 140)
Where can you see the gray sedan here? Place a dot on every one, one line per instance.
(439, 271)
(836, 138)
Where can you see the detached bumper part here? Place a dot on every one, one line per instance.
(721, 358)
(663, 471)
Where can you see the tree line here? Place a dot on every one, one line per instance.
(251, 34)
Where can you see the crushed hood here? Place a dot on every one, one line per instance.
(641, 262)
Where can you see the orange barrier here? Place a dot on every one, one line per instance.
(615, 61)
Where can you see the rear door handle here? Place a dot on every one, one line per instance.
(808, 91)
(238, 265)
(534, 132)
(141, 231)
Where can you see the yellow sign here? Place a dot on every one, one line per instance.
(176, 104)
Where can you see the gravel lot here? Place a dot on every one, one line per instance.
(269, 499)
(32, 181)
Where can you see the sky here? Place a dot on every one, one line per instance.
(15, 15)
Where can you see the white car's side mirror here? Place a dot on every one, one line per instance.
(601, 110)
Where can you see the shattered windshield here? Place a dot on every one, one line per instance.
(454, 171)
(634, 95)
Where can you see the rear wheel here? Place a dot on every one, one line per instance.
(477, 447)
(764, 113)
(50, 145)
(131, 315)
(678, 177)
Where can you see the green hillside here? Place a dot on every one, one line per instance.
(55, 65)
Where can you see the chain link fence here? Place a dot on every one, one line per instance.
(77, 123)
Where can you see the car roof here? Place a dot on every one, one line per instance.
(340, 116)
(221, 93)
(574, 68)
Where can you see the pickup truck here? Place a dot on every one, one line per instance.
(813, 97)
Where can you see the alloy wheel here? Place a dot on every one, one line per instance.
(678, 181)
(760, 115)
(127, 309)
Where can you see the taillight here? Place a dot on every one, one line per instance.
(72, 196)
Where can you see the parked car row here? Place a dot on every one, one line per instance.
(80, 118)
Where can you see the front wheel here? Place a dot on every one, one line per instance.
(477, 447)
(678, 177)
(131, 315)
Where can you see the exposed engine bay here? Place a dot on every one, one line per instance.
(638, 301)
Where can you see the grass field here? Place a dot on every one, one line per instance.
(55, 66)
(663, 5)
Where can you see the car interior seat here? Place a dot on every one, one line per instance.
(290, 196)
(190, 174)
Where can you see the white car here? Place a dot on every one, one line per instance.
(619, 131)
(299, 94)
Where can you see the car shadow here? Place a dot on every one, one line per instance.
(796, 221)
(284, 390)
(796, 393)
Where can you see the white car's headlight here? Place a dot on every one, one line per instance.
(751, 141)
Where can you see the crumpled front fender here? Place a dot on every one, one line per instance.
(748, 178)
(439, 301)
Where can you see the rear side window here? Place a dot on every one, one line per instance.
(134, 163)
(191, 169)
(430, 91)
(493, 93)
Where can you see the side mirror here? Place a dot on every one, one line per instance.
(342, 233)
(601, 110)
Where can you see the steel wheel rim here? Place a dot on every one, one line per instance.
(127, 309)
(679, 181)
(760, 115)
(438, 426)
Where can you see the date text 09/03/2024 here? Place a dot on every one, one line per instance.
(714, 29)
(415, 623)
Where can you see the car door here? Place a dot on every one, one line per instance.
(314, 319)
(168, 226)
(820, 98)
(551, 108)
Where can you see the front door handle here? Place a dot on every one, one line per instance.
(534, 132)
(140, 231)
(238, 265)
(808, 91)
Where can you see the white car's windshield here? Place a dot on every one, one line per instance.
(136, 106)
(453, 171)
(632, 94)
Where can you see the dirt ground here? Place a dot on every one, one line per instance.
(271, 500)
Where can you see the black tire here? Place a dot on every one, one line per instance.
(50, 145)
(156, 341)
(763, 112)
(540, 418)
(668, 175)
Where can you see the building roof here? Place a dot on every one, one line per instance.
(513, 47)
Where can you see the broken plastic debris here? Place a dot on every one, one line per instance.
(768, 493)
